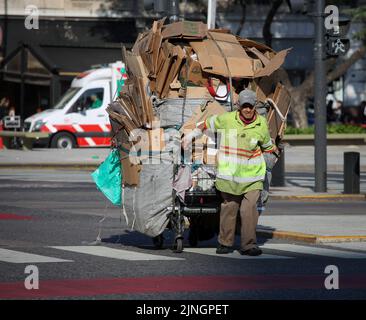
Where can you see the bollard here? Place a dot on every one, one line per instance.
(351, 172)
(278, 172)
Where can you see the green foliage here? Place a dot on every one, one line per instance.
(331, 129)
(359, 15)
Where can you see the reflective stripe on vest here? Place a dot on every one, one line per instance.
(236, 160)
(240, 179)
(240, 152)
(268, 144)
(242, 170)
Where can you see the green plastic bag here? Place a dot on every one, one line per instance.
(108, 177)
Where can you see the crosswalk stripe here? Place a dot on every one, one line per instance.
(115, 253)
(12, 256)
(313, 251)
(233, 255)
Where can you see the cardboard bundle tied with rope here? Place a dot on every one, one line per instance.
(178, 75)
(173, 69)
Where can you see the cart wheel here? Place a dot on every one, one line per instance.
(192, 238)
(158, 241)
(178, 245)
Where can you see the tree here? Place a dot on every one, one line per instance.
(336, 68)
(300, 94)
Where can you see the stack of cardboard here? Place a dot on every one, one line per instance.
(186, 61)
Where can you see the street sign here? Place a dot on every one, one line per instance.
(12, 122)
(336, 46)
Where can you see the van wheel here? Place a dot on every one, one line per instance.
(63, 140)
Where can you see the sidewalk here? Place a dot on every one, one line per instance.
(313, 228)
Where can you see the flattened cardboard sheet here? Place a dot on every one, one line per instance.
(185, 29)
(282, 99)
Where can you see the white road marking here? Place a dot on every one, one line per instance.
(233, 255)
(313, 251)
(115, 253)
(23, 257)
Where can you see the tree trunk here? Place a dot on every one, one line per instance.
(305, 90)
(267, 35)
(243, 5)
(298, 107)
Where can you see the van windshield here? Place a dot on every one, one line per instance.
(69, 94)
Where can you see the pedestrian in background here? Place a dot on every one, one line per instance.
(362, 112)
(4, 108)
(338, 111)
(11, 112)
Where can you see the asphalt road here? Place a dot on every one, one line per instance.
(52, 219)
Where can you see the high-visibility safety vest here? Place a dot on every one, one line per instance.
(240, 164)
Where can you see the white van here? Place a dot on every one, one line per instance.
(79, 119)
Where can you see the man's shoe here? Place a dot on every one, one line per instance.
(221, 249)
(255, 251)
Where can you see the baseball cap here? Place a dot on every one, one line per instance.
(247, 96)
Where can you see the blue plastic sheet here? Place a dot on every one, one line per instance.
(108, 177)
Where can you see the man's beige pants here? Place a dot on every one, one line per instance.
(249, 219)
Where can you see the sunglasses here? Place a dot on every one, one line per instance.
(246, 106)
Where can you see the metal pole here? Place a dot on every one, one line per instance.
(23, 67)
(319, 99)
(5, 30)
(211, 14)
(54, 89)
(174, 11)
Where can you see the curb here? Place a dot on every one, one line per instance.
(91, 166)
(321, 197)
(308, 238)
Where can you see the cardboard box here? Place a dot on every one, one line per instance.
(141, 82)
(273, 64)
(221, 54)
(265, 88)
(166, 61)
(257, 65)
(210, 152)
(155, 45)
(156, 139)
(195, 92)
(202, 112)
(197, 154)
(253, 44)
(276, 125)
(194, 73)
(264, 59)
(177, 58)
(210, 156)
(135, 65)
(130, 171)
(185, 29)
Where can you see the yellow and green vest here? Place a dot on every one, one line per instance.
(241, 166)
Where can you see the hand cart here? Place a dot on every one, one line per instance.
(199, 212)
